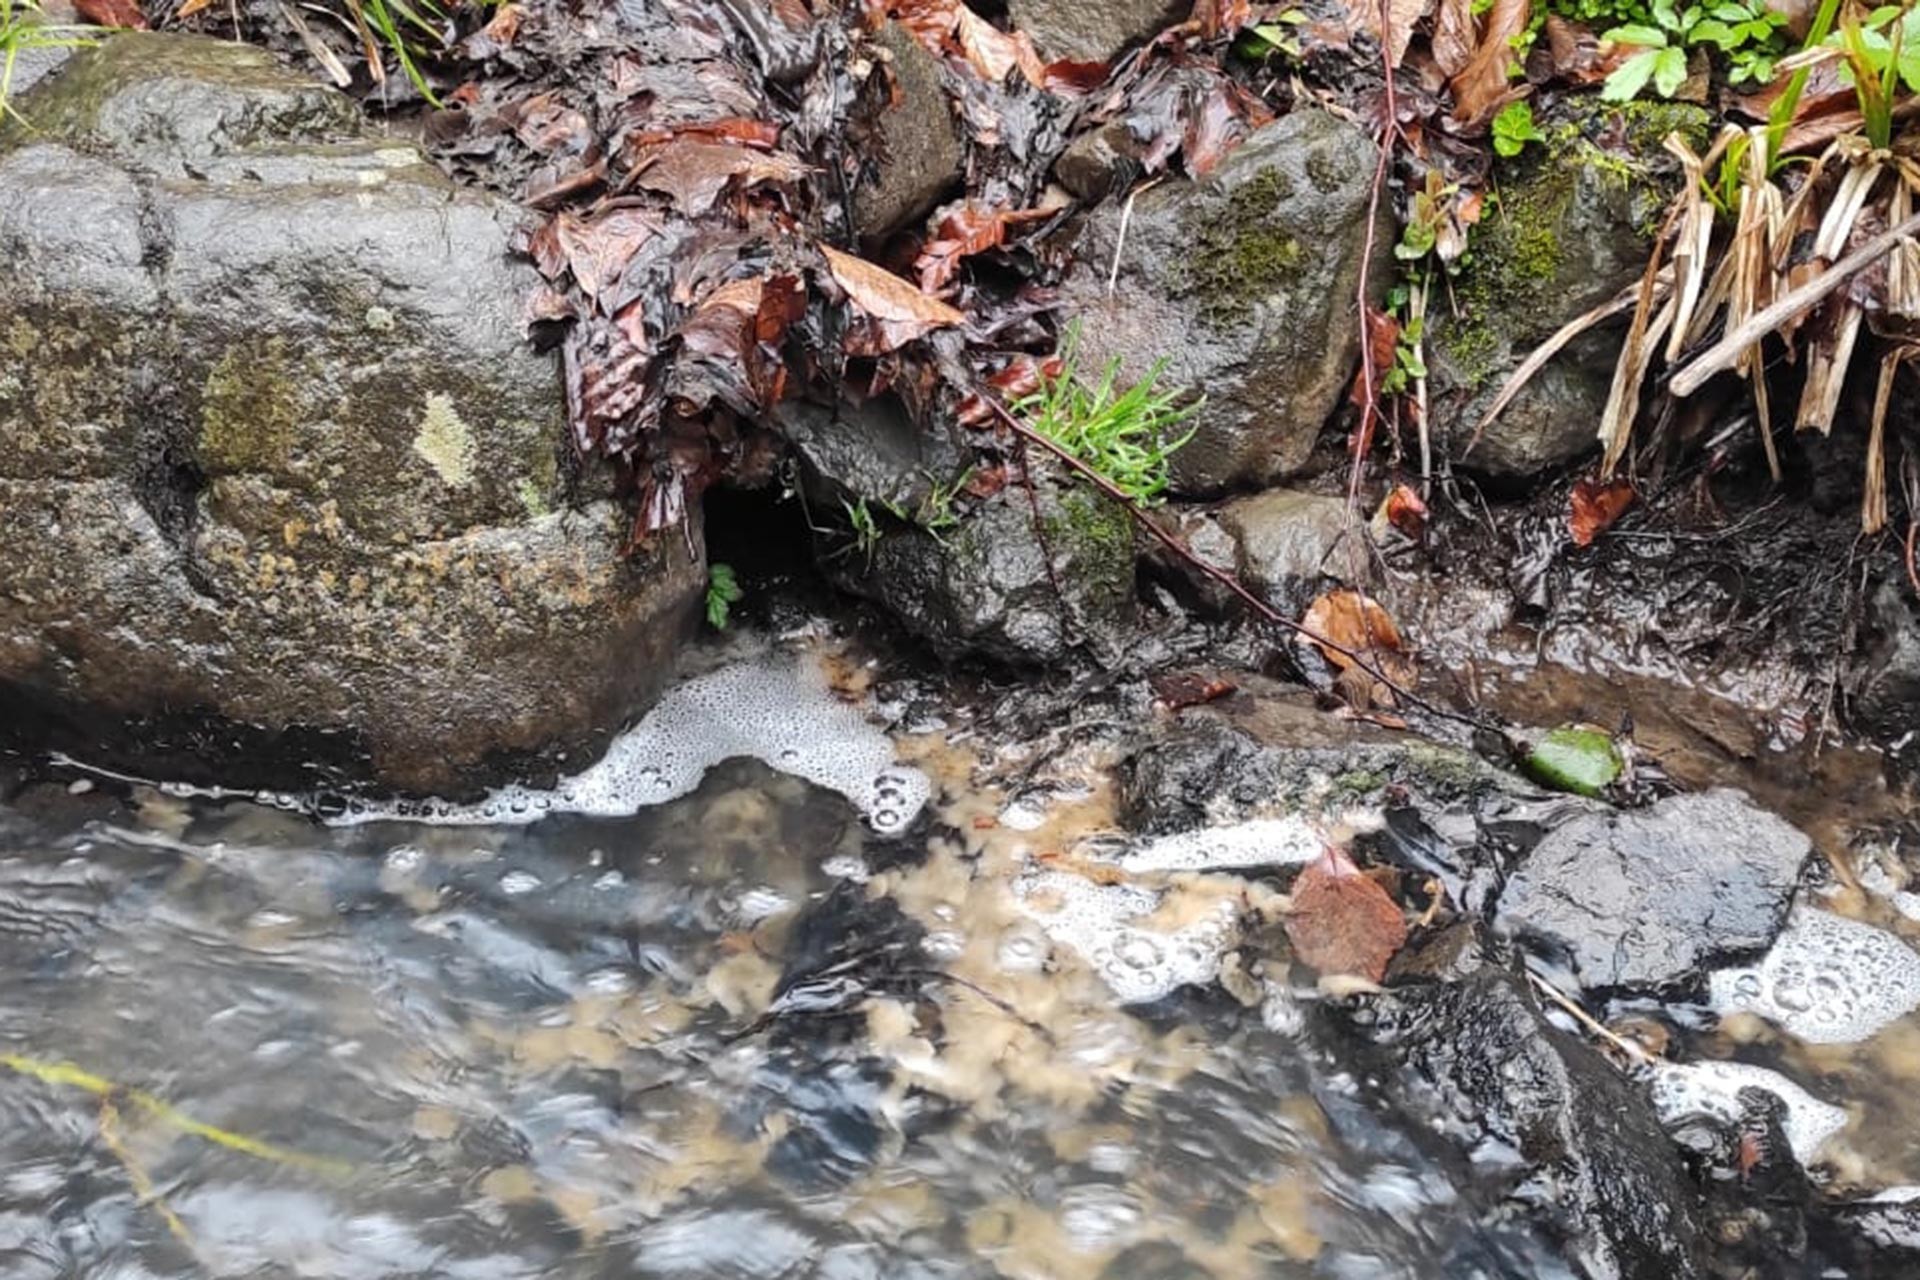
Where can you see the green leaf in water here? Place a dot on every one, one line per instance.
(1583, 761)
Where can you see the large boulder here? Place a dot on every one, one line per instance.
(1646, 900)
(275, 463)
(1244, 285)
(1571, 227)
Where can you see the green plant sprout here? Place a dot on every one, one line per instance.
(23, 26)
(1124, 435)
(723, 592)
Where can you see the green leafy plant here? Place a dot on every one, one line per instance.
(1125, 434)
(1278, 34)
(1514, 128)
(1746, 32)
(398, 25)
(23, 26)
(723, 592)
(864, 525)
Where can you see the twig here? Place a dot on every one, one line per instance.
(1633, 1051)
(1913, 534)
(1226, 579)
(143, 1189)
(1120, 240)
(1723, 354)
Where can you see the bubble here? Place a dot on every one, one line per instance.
(1712, 1089)
(1260, 842)
(1827, 980)
(1103, 924)
(774, 712)
(516, 883)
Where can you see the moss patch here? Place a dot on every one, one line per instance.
(1239, 255)
(250, 411)
(1096, 537)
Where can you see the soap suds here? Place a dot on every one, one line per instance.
(1827, 980)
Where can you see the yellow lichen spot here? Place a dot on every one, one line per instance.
(445, 442)
(292, 531)
(330, 520)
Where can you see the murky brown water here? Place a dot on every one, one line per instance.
(548, 1051)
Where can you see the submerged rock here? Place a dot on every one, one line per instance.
(1571, 227)
(1083, 32)
(282, 482)
(1647, 899)
(1244, 285)
(1593, 1162)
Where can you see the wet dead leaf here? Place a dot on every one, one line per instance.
(1483, 86)
(693, 172)
(1383, 341)
(598, 250)
(1399, 20)
(1342, 922)
(1405, 511)
(948, 28)
(111, 13)
(962, 230)
(1189, 689)
(1595, 506)
(1453, 36)
(899, 312)
(1357, 624)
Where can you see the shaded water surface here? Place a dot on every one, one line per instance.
(737, 1034)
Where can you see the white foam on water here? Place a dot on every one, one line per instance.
(1106, 925)
(1684, 1089)
(1827, 980)
(781, 714)
(1260, 842)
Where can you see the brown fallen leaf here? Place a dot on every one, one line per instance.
(1359, 625)
(597, 251)
(948, 28)
(693, 172)
(962, 230)
(1595, 506)
(1178, 689)
(1483, 86)
(1405, 511)
(111, 13)
(898, 312)
(1400, 19)
(1341, 921)
(1383, 341)
(1453, 36)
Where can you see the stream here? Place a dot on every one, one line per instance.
(741, 1032)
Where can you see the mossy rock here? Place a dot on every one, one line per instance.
(1241, 287)
(1569, 225)
(273, 449)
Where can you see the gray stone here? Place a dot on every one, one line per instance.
(1099, 31)
(1598, 1167)
(1571, 228)
(918, 147)
(1645, 900)
(1244, 285)
(1288, 545)
(1022, 578)
(276, 458)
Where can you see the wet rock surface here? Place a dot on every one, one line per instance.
(1571, 228)
(1645, 900)
(1885, 699)
(1592, 1159)
(917, 148)
(1244, 283)
(279, 464)
(1082, 32)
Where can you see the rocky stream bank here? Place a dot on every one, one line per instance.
(289, 505)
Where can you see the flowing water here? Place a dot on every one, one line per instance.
(738, 1033)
